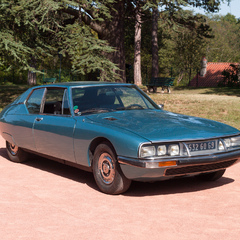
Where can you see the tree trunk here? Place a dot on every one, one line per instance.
(155, 67)
(189, 75)
(32, 77)
(180, 77)
(137, 47)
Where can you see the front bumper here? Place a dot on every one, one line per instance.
(149, 170)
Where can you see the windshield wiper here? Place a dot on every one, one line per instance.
(130, 107)
(95, 110)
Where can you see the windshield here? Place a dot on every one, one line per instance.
(109, 98)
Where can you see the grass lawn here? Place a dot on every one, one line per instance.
(220, 104)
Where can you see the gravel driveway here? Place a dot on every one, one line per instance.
(43, 199)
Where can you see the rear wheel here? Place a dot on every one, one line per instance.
(15, 153)
(212, 176)
(107, 172)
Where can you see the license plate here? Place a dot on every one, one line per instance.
(201, 146)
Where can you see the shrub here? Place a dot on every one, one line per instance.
(231, 76)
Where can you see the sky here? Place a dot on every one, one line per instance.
(233, 8)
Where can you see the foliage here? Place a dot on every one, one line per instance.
(90, 36)
(87, 46)
(9, 92)
(190, 47)
(15, 76)
(182, 37)
(231, 76)
(224, 47)
(25, 29)
(33, 31)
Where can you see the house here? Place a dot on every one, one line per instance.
(210, 74)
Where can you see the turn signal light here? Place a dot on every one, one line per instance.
(167, 164)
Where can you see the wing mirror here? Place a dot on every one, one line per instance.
(161, 106)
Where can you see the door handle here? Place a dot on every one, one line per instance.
(39, 119)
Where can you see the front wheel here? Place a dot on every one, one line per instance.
(15, 153)
(107, 172)
(212, 176)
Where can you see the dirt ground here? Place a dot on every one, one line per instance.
(43, 199)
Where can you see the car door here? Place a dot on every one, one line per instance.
(53, 129)
(23, 121)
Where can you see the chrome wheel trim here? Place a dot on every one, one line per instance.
(13, 149)
(106, 168)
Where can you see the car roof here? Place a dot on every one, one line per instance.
(71, 85)
(84, 84)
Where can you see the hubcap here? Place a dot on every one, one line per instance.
(13, 149)
(106, 168)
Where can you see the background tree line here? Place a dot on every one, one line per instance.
(113, 40)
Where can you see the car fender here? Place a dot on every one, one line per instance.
(124, 142)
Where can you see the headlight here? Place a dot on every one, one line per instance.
(161, 150)
(235, 142)
(227, 142)
(230, 143)
(173, 150)
(221, 146)
(147, 151)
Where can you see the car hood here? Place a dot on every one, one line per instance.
(159, 125)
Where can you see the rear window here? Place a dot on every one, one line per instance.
(34, 101)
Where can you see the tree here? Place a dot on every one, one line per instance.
(231, 76)
(224, 47)
(176, 17)
(106, 18)
(113, 31)
(32, 31)
(155, 65)
(190, 47)
(137, 45)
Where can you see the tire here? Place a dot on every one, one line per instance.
(107, 172)
(212, 176)
(15, 153)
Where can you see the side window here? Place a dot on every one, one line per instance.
(55, 99)
(34, 101)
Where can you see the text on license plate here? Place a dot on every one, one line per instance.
(202, 146)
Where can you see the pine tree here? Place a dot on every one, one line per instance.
(34, 30)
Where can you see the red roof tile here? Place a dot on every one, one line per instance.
(212, 77)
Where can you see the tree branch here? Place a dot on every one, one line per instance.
(85, 18)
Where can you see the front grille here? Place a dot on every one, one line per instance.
(199, 168)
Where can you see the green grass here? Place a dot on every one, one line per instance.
(220, 104)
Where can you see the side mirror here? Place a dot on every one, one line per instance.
(161, 106)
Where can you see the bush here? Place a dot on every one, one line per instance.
(13, 76)
(231, 76)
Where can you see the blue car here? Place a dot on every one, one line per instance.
(117, 132)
